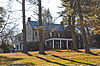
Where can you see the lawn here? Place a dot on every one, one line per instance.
(53, 58)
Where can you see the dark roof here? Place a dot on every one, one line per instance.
(35, 24)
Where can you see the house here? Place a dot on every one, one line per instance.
(18, 43)
(55, 36)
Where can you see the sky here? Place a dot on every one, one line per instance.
(16, 6)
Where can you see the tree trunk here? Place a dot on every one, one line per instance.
(89, 36)
(73, 34)
(85, 42)
(72, 28)
(41, 43)
(24, 28)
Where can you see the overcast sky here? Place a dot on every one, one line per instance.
(51, 4)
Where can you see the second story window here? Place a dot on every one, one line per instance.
(59, 34)
(36, 33)
(51, 34)
(19, 38)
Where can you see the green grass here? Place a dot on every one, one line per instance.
(53, 58)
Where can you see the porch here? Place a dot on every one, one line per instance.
(58, 43)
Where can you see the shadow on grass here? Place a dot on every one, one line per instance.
(50, 61)
(2, 57)
(8, 61)
(27, 54)
(27, 64)
(78, 51)
(73, 60)
(69, 51)
(93, 54)
(42, 53)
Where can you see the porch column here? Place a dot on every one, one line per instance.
(53, 43)
(19, 47)
(60, 44)
(15, 47)
(45, 43)
(67, 44)
(22, 47)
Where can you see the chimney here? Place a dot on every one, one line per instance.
(29, 19)
(62, 24)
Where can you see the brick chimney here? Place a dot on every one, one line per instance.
(29, 19)
(62, 24)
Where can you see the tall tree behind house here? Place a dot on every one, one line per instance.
(46, 16)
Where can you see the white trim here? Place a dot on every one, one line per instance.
(58, 39)
(67, 44)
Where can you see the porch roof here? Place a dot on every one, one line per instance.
(58, 39)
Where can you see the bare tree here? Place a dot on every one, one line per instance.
(24, 28)
(8, 24)
(41, 44)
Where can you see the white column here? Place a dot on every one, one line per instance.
(15, 47)
(60, 44)
(22, 47)
(53, 43)
(67, 44)
(45, 43)
(19, 47)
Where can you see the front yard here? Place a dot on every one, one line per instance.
(53, 58)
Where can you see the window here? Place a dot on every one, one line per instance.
(36, 33)
(22, 38)
(50, 34)
(19, 38)
(59, 34)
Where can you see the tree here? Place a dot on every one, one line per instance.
(38, 12)
(88, 13)
(8, 27)
(25, 50)
(2, 14)
(70, 18)
(41, 43)
(85, 42)
(90, 10)
(92, 14)
(47, 17)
